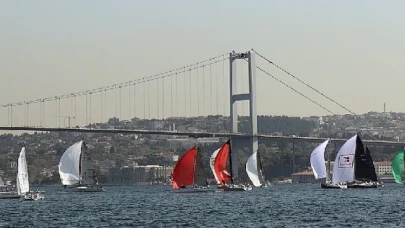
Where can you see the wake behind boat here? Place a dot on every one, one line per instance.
(189, 174)
(76, 170)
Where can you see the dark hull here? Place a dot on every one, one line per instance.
(362, 185)
(323, 185)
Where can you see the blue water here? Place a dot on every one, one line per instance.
(304, 205)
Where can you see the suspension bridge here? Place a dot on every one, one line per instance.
(224, 85)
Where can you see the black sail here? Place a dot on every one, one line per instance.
(371, 169)
(361, 168)
(200, 177)
(260, 167)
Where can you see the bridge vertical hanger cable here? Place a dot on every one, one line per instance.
(217, 89)
(157, 100)
(203, 91)
(149, 115)
(115, 102)
(59, 111)
(129, 101)
(90, 109)
(144, 100)
(198, 93)
(120, 100)
(101, 107)
(185, 92)
(210, 85)
(191, 95)
(57, 114)
(162, 92)
(301, 81)
(223, 85)
(86, 111)
(175, 95)
(135, 108)
(105, 105)
(171, 96)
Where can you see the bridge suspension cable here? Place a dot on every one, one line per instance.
(179, 70)
(306, 84)
(293, 89)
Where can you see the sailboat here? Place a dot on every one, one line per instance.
(76, 170)
(397, 167)
(23, 185)
(212, 166)
(351, 168)
(226, 178)
(254, 171)
(189, 174)
(318, 166)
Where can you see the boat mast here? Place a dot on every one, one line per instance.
(194, 166)
(230, 161)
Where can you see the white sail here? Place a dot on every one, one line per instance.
(69, 165)
(318, 160)
(252, 170)
(343, 168)
(23, 185)
(212, 160)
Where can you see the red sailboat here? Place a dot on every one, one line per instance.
(189, 174)
(225, 178)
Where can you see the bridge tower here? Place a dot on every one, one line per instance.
(250, 142)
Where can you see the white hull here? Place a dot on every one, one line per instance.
(85, 189)
(9, 195)
(234, 188)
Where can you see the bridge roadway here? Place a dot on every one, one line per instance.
(195, 134)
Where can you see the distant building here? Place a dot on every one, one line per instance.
(106, 165)
(140, 174)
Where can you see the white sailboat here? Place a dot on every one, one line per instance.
(254, 171)
(317, 160)
(23, 185)
(212, 164)
(76, 170)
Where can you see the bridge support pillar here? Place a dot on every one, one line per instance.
(250, 142)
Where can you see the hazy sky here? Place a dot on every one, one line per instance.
(351, 50)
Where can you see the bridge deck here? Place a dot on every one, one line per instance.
(194, 134)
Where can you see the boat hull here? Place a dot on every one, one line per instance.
(9, 196)
(85, 189)
(236, 188)
(330, 186)
(362, 185)
(195, 190)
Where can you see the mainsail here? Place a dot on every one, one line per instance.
(212, 162)
(252, 170)
(69, 165)
(23, 185)
(398, 167)
(189, 170)
(343, 170)
(318, 161)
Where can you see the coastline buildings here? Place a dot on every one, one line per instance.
(140, 175)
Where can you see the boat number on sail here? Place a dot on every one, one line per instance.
(346, 161)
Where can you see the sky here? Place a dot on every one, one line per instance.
(353, 51)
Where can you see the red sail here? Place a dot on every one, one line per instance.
(220, 164)
(183, 173)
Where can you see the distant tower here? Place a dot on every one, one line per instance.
(384, 106)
